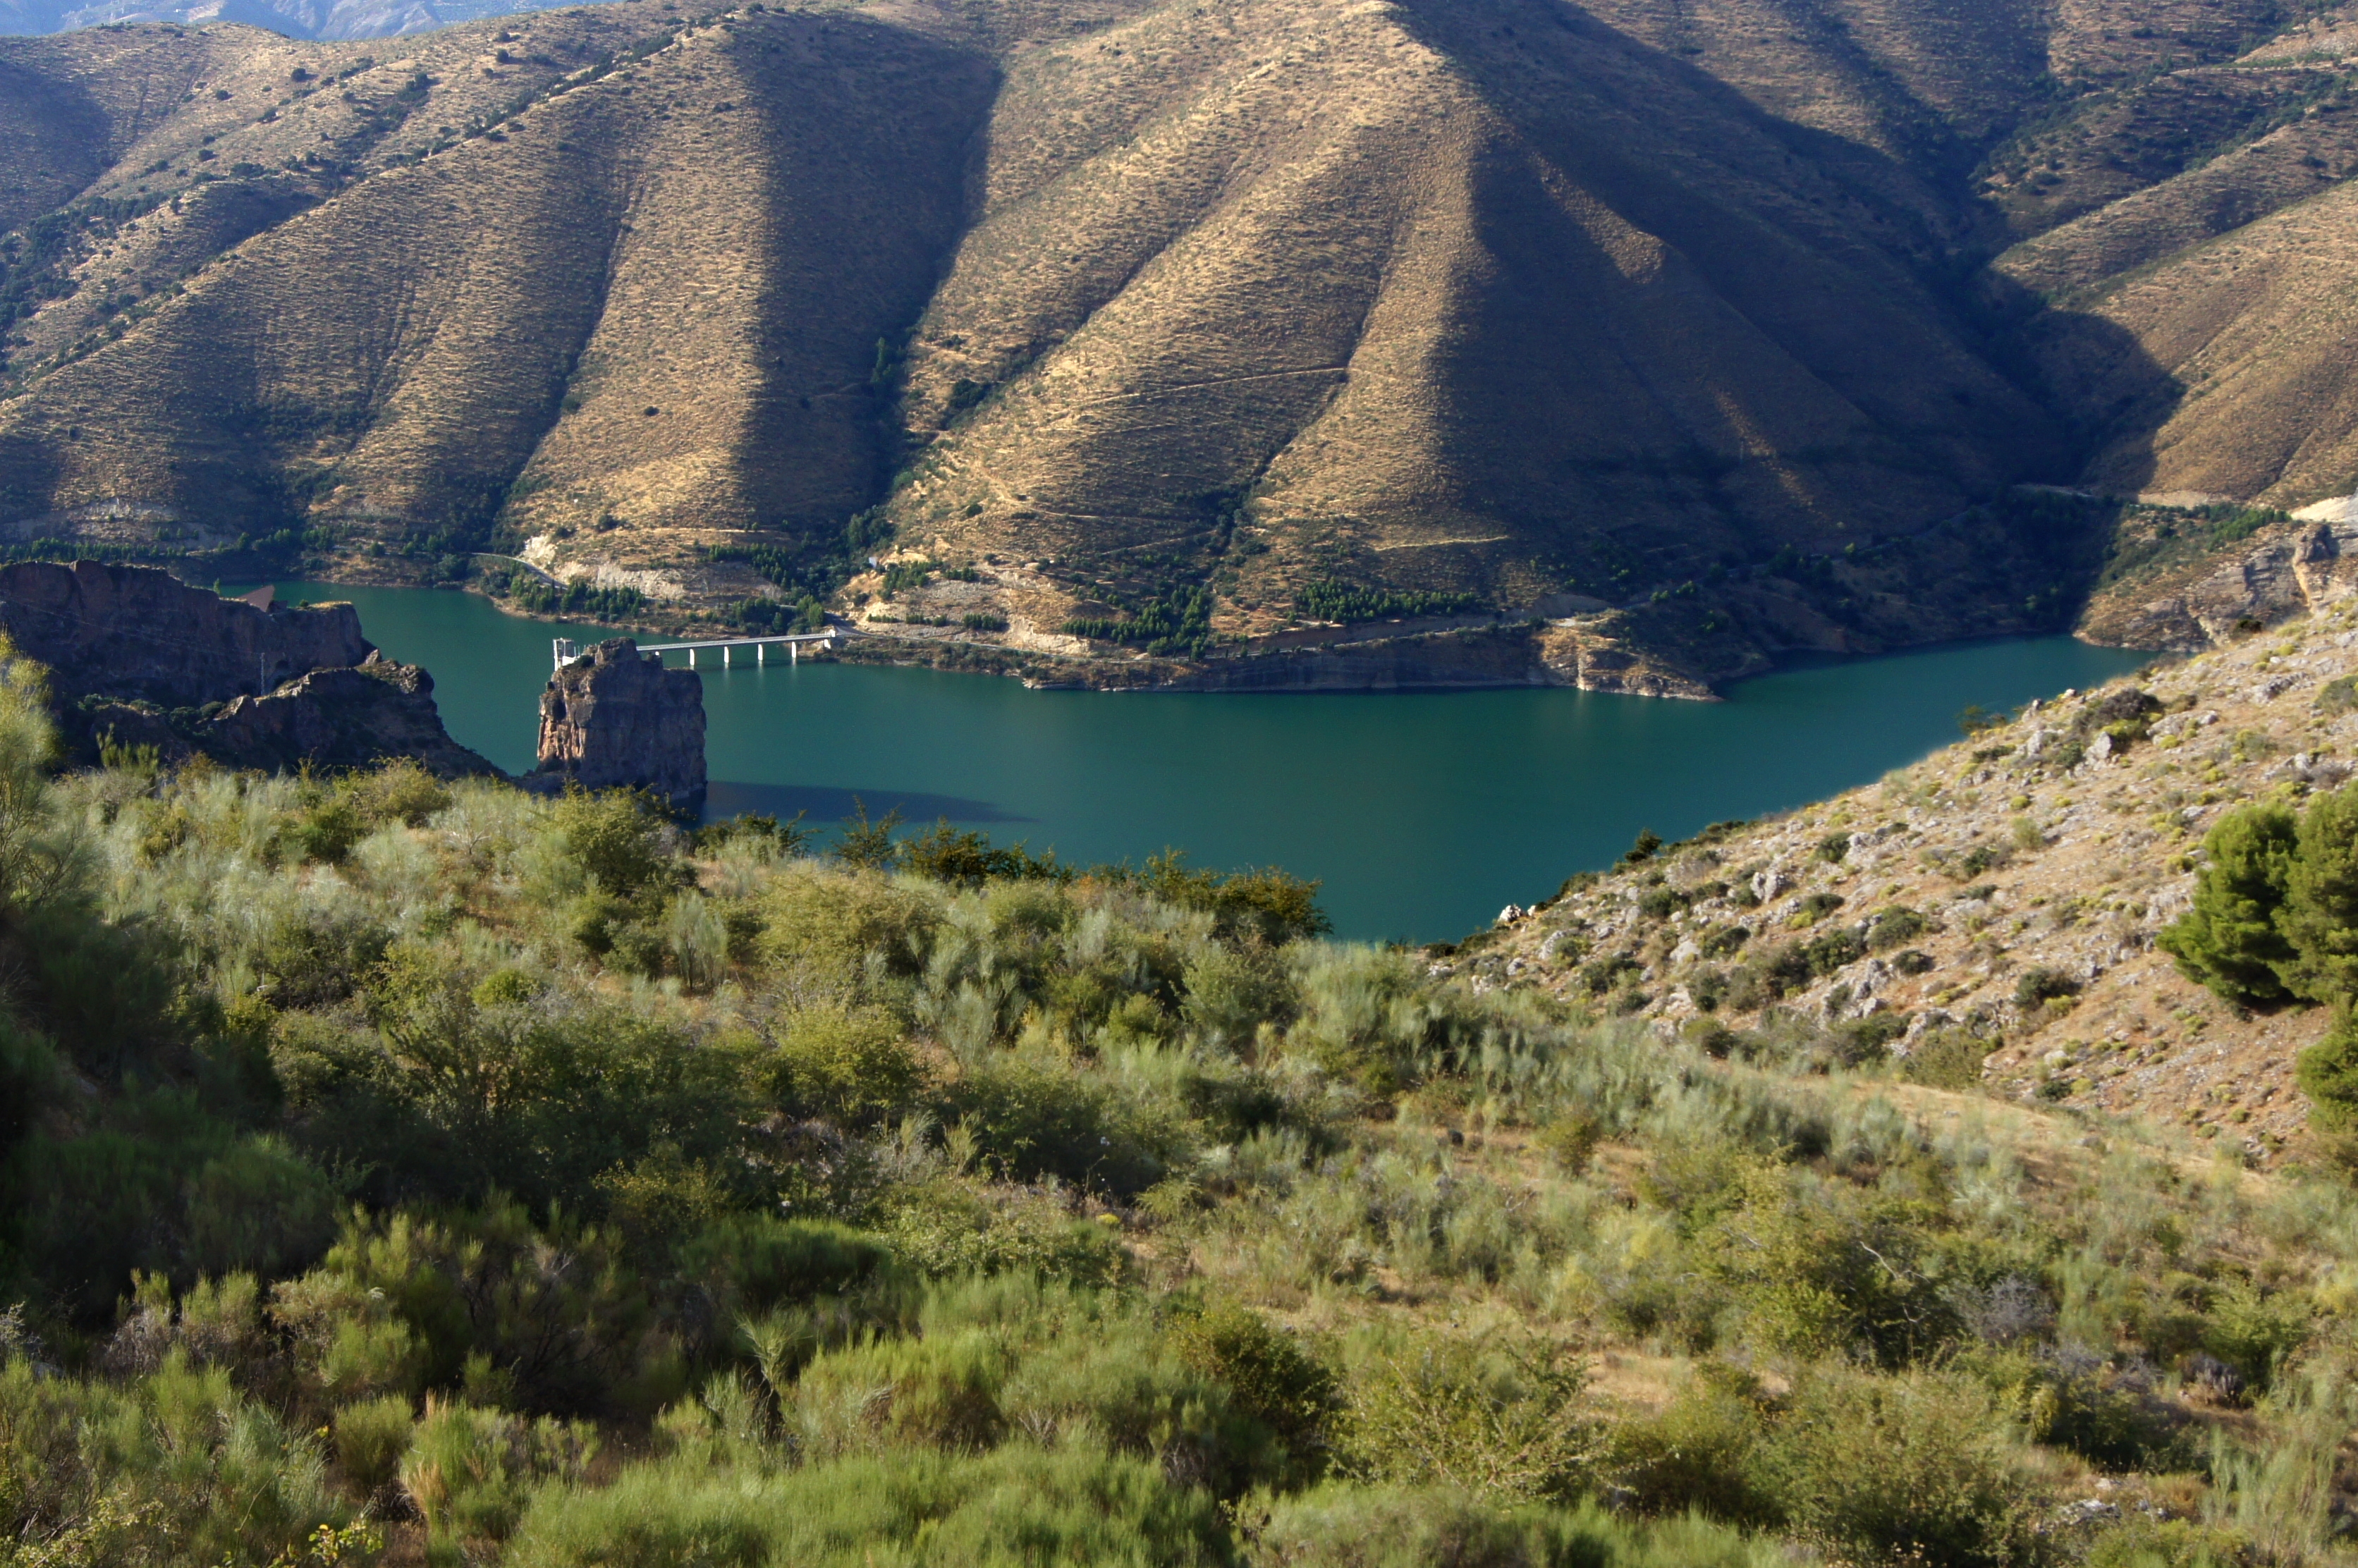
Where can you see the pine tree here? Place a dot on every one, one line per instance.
(2328, 1075)
(2319, 916)
(2230, 941)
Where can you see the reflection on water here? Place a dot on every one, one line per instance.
(828, 803)
(1420, 814)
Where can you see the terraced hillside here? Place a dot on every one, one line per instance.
(1131, 330)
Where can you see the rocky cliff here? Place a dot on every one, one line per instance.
(2287, 569)
(137, 658)
(615, 719)
(135, 631)
(345, 718)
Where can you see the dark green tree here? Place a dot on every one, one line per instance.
(2328, 1075)
(2230, 941)
(2320, 917)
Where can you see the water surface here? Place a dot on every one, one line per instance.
(1423, 813)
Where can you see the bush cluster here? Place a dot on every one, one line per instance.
(394, 1169)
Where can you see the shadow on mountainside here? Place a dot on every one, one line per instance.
(1835, 252)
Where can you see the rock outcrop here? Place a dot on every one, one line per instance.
(328, 718)
(375, 709)
(138, 632)
(139, 659)
(2287, 569)
(615, 719)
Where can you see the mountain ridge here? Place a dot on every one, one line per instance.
(1151, 319)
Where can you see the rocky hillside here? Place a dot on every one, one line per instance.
(1992, 908)
(1156, 328)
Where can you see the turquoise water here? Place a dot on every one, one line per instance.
(1422, 814)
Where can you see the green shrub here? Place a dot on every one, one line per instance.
(370, 1436)
(2328, 1073)
(1814, 1274)
(1506, 1419)
(818, 936)
(2168, 1543)
(1573, 1136)
(159, 1185)
(901, 1392)
(1231, 991)
(1037, 1118)
(1946, 1058)
(849, 1064)
(2319, 916)
(325, 831)
(1724, 942)
(614, 838)
(172, 1466)
(1343, 1526)
(1818, 905)
(1117, 1381)
(1661, 902)
(948, 1228)
(2040, 986)
(2254, 1331)
(1697, 1453)
(1338, 1525)
(403, 1303)
(1074, 1504)
(1270, 1374)
(470, 1472)
(1261, 902)
(1894, 927)
(748, 1263)
(1834, 950)
(1918, 1467)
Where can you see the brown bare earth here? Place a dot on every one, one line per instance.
(1625, 347)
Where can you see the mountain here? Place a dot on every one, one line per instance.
(295, 18)
(1150, 332)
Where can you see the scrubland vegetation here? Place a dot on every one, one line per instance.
(408, 1173)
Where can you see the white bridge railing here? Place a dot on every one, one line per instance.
(567, 650)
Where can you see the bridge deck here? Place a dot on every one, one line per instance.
(567, 650)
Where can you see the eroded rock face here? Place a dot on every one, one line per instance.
(616, 718)
(137, 632)
(345, 718)
(332, 718)
(137, 658)
(2289, 570)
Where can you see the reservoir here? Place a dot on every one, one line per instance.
(1422, 814)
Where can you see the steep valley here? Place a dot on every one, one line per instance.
(1625, 347)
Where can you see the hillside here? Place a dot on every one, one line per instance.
(1177, 330)
(2006, 892)
(399, 1172)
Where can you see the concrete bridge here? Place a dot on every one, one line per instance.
(567, 650)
